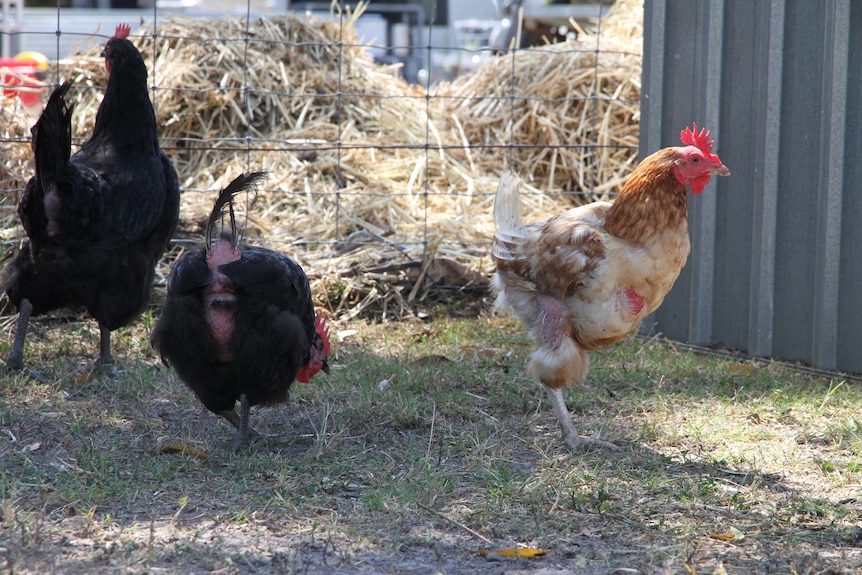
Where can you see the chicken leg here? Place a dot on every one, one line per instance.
(558, 362)
(105, 362)
(105, 358)
(570, 434)
(246, 434)
(16, 356)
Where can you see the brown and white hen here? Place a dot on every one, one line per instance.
(584, 279)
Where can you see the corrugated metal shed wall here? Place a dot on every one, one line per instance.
(776, 264)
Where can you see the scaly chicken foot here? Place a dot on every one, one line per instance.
(570, 434)
(246, 434)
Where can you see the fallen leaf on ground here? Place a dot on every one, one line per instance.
(513, 552)
(722, 536)
(84, 378)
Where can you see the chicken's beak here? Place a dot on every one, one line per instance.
(720, 170)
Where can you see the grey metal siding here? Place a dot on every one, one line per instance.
(850, 288)
(773, 270)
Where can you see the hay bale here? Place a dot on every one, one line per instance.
(16, 164)
(570, 109)
(382, 177)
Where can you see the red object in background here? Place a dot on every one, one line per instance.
(22, 77)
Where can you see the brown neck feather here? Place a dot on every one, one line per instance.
(651, 201)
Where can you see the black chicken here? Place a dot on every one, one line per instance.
(238, 322)
(97, 221)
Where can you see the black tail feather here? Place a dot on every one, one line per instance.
(225, 202)
(52, 137)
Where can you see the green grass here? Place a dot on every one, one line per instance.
(426, 442)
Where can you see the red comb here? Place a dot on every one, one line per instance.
(697, 139)
(122, 31)
(323, 331)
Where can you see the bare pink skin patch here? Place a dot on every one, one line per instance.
(555, 321)
(220, 298)
(634, 301)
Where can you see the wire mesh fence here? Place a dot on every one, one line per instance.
(381, 187)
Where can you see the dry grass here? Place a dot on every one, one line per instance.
(386, 176)
(426, 444)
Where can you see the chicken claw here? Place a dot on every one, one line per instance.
(570, 434)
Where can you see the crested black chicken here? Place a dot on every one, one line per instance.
(239, 323)
(98, 220)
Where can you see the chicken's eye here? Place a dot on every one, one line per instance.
(695, 160)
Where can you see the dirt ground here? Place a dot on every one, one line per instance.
(424, 447)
